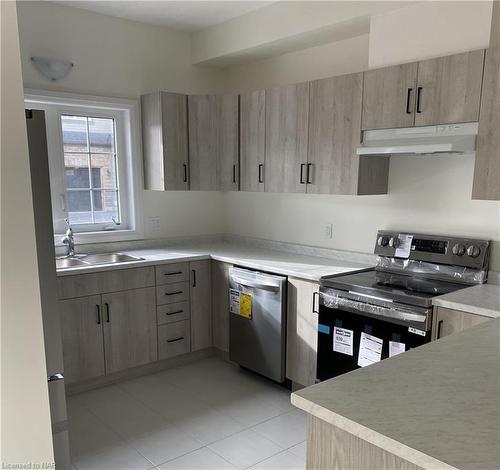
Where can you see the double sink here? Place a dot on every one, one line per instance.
(94, 260)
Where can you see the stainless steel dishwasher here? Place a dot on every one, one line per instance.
(257, 325)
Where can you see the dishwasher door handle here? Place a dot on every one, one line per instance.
(255, 285)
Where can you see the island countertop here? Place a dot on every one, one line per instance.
(437, 406)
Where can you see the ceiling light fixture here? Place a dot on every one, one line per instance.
(53, 69)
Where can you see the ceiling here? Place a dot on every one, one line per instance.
(180, 15)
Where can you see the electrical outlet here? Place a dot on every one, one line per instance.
(154, 224)
(328, 230)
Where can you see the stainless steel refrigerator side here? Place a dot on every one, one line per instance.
(40, 183)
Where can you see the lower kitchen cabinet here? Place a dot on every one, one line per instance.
(83, 345)
(448, 321)
(302, 332)
(130, 334)
(200, 295)
(220, 305)
(174, 339)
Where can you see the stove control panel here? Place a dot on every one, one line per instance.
(467, 252)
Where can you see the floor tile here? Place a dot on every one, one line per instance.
(209, 425)
(245, 448)
(202, 459)
(299, 450)
(103, 394)
(282, 461)
(286, 430)
(117, 458)
(165, 444)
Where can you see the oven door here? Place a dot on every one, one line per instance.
(353, 332)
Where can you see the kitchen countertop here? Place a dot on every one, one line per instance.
(437, 406)
(279, 262)
(483, 299)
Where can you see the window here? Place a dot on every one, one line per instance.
(93, 161)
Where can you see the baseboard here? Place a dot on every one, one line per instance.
(152, 368)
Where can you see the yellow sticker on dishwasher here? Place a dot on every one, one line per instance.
(246, 305)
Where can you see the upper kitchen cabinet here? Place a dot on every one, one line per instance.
(389, 97)
(213, 142)
(252, 140)
(487, 168)
(165, 141)
(445, 90)
(449, 89)
(334, 133)
(287, 110)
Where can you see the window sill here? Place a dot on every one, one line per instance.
(102, 236)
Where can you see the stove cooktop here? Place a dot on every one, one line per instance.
(408, 289)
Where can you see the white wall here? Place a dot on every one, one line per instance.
(429, 195)
(25, 419)
(349, 55)
(427, 30)
(115, 57)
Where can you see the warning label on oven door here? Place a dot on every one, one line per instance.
(342, 341)
(370, 350)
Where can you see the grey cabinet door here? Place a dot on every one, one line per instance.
(287, 110)
(228, 137)
(252, 140)
(203, 142)
(389, 97)
(487, 166)
(220, 305)
(302, 332)
(334, 134)
(449, 89)
(201, 304)
(130, 332)
(82, 338)
(164, 138)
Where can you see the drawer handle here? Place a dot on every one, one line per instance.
(174, 293)
(174, 313)
(172, 274)
(174, 340)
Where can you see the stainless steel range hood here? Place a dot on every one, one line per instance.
(451, 139)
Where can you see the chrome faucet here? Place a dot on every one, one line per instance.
(69, 240)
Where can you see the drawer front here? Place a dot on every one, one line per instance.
(126, 279)
(172, 312)
(173, 339)
(79, 285)
(172, 293)
(171, 273)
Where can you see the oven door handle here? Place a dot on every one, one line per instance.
(338, 302)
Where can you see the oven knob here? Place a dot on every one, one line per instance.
(473, 251)
(394, 242)
(383, 241)
(458, 249)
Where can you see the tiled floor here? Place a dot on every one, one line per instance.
(206, 415)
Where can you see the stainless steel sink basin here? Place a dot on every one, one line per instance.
(94, 260)
(109, 258)
(69, 263)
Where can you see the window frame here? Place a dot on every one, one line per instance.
(125, 112)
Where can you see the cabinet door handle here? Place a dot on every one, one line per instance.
(408, 99)
(194, 277)
(175, 312)
(261, 168)
(174, 340)
(174, 293)
(172, 274)
(98, 313)
(419, 96)
(234, 173)
(107, 312)
(302, 166)
(309, 173)
(185, 172)
(315, 296)
(440, 324)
